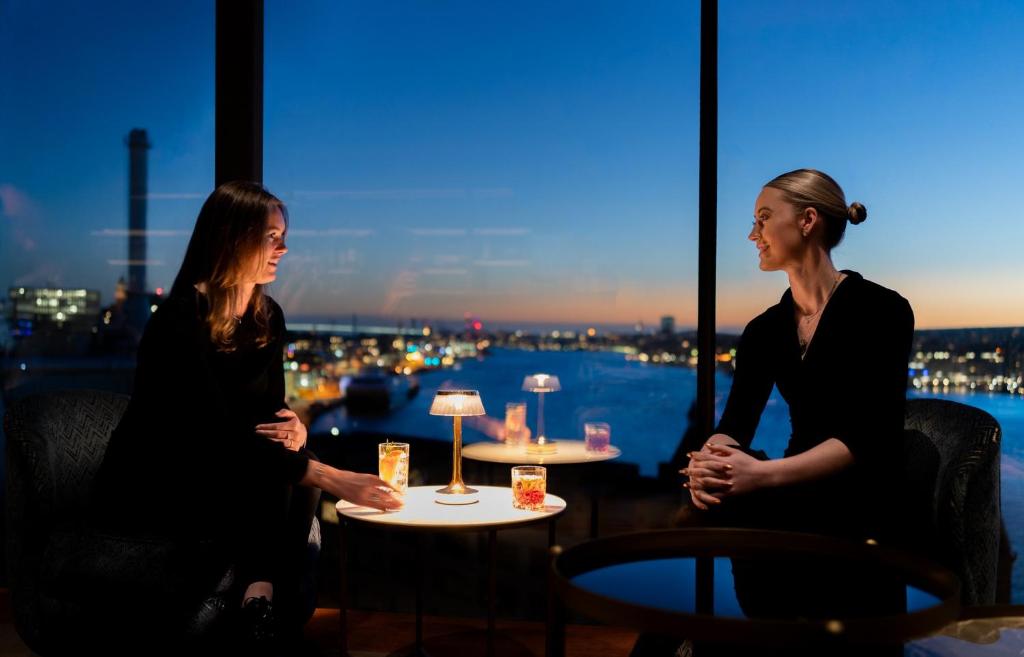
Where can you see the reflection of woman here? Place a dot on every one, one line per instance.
(837, 347)
(207, 448)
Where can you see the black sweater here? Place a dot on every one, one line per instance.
(850, 385)
(186, 449)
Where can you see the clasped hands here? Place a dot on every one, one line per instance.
(720, 470)
(290, 432)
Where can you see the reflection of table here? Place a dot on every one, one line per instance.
(990, 631)
(567, 452)
(636, 581)
(421, 513)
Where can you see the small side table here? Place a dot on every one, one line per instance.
(568, 452)
(421, 513)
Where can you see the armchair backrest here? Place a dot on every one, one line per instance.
(55, 445)
(962, 455)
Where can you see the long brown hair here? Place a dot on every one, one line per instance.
(228, 237)
(810, 188)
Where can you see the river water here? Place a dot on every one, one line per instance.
(646, 406)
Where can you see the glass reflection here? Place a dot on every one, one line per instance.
(762, 588)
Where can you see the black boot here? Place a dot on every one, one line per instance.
(257, 627)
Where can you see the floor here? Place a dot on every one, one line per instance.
(378, 634)
(453, 625)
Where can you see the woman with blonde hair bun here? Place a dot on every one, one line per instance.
(836, 346)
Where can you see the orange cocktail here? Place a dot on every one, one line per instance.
(393, 465)
(529, 486)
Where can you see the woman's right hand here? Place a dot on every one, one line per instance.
(702, 493)
(707, 478)
(358, 488)
(701, 498)
(719, 439)
(368, 490)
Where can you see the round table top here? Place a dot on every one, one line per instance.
(648, 581)
(494, 510)
(567, 451)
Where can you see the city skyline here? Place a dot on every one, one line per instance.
(443, 160)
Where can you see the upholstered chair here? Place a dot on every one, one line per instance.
(73, 587)
(952, 454)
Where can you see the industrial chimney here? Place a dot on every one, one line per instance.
(137, 303)
(138, 144)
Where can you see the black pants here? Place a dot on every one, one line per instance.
(269, 541)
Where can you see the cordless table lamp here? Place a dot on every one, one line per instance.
(457, 404)
(540, 384)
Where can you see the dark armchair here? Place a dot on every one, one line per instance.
(72, 586)
(953, 450)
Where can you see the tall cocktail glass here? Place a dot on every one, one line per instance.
(515, 423)
(393, 465)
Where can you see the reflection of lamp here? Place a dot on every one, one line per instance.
(541, 383)
(456, 404)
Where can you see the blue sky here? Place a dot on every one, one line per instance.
(535, 161)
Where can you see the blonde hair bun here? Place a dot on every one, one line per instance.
(857, 212)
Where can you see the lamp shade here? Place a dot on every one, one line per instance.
(541, 383)
(457, 402)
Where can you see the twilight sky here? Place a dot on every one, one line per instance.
(528, 161)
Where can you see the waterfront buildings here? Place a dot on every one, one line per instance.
(33, 309)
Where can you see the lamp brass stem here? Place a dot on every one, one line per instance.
(541, 437)
(457, 486)
(457, 456)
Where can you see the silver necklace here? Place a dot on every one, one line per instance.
(809, 318)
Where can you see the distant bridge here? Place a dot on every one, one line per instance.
(350, 329)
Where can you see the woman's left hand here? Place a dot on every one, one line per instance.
(745, 473)
(290, 432)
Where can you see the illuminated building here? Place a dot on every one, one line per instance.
(34, 308)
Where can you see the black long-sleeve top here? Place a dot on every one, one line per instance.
(186, 449)
(850, 385)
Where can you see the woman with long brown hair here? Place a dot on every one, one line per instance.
(207, 447)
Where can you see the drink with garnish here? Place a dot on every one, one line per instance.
(529, 486)
(393, 465)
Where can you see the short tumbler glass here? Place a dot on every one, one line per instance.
(529, 486)
(597, 436)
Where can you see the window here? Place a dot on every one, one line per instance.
(914, 109)
(84, 90)
(521, 181)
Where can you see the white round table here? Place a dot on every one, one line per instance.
(566, 452)
(493, 511)
(421, 513)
